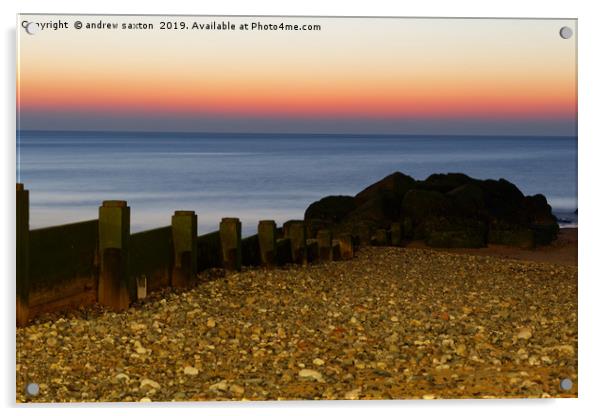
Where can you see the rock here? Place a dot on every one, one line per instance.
(221, 386)
(236, 389)
(429, 397)
(148, 384)
(136, 327)
(121, 377)
(331, 209)
(468, 199)
(460, 350)
(210, 323)
(444, 182)
(524, 333)
(311, 374)
(396, 184)
(318, 361)
(51, 342)
(353, 394)
(420, 204)
(455, 232)
(145, 400)
(190, 371)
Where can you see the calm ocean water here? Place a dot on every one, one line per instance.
(259, 176)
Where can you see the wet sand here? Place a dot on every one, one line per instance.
(562, 251)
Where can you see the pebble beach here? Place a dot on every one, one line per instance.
(393, 323)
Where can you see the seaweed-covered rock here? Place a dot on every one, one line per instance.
(509, 234)
(455, 232)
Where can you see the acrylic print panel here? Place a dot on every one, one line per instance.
(285, 208)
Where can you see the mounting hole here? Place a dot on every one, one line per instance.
(566, 32)
(32, 389)
(566, 384)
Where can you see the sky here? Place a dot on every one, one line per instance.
(354, 75)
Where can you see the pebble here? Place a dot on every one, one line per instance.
(190, 371)
(311, 374)
(318, 361)
(222, 385)
(148, 383)
(524, 333)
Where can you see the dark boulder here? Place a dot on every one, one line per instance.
(510, 234)
(395, 185)
(419, 204)
(331, 208)
(455, 232)
(503, 200)
(444, 182)
(467, 199)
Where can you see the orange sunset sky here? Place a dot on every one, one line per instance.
(379, 75)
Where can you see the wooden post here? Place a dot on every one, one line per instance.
(229, 232)
(266, 230)
(346, 246)
(184, 230)
(325, 245)
(114, 288)
(283, 251)
(396, 234)
(22, 283)
(313, 253)
(296, 232)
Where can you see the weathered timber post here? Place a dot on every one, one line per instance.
(22, 255)
(324, 238)
(283, 251)
(184, 230)
(229, 232)
(313, 253)
(396, 234)
(346, 246)
(114, 288)
(296, 232)
(266, 230)
(380, 238)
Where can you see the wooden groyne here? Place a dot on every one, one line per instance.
(101, 261)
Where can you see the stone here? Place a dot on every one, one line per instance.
(211, 323)
(524, 333)
(148, 384)
(236, 389)
(311, 374)
(219, 386)
(190, 371)
(318, 361)
(353, 394)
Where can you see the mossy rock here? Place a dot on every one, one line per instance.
(511, 235)
(455, 233)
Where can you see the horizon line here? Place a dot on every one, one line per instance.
(296, 133)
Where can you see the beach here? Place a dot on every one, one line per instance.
(393, 323)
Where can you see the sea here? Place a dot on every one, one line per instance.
(265, 176)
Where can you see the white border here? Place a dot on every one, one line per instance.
(590, 202)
